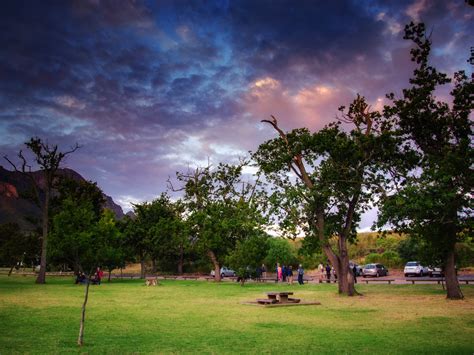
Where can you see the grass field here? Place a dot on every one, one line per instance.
(204, 317)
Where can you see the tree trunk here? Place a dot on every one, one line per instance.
(110, 274)
(217, 267)
(181, 260)
(41, 279)
(339, 262)
(452, 284)
(142, 267)
(345, 279)
(80, 339)
(153, 265)
(11, 270)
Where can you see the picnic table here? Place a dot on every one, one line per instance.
(281, 297)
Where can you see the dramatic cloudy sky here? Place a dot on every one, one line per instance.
(149, 88)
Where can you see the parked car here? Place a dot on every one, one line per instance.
(358, 267)
(225, 271)
(375, 270)
(434, 271)
(414, 268)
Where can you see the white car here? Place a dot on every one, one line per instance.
(225, 271)
(414, 268)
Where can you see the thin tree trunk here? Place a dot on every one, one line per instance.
(11, 270)
(217, 267)
(110, 274)
(142, 267)
(181, 259)
(80, 339)
(452, 284)
(41, 279)
(153, 265)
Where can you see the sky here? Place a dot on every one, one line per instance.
(148, 88)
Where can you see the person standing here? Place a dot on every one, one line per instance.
(321, 272)
(258, 274)
(279, 277)
(354, 272)
(328, 273)
(99, 276)
(289, 276)
(264, 271)
(283, 272)
(300, 274)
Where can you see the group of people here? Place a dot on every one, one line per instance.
(285, 274)
(94, 279)
(325, 272)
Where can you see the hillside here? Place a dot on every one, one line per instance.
(17, 207)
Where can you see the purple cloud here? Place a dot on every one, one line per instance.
(150, 88)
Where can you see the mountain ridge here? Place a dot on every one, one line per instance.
(17, 208)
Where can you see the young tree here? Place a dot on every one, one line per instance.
(280, 251)
(248, 255)
(49, 159)
(434, 201)
(222, 209)
(325, 180)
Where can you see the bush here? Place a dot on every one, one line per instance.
(373, 258)
(389, 259)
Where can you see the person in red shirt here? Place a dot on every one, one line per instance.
(99, 274)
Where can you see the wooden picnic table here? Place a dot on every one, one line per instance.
(282, 297)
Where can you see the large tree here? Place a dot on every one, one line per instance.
(48, 158)
(76, 207)
(323, 181)
(222, 209)
(159, 232)
(434, 201)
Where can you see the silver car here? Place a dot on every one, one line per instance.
(375, 270)
(225, 271)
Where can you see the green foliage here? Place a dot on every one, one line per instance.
(248, 255)
(280, 251)
(373, 258)
(435, 180)
(82, 238)
(72, 236)
(159, 230)
(410, 249)
(465, 254)
(17, 246)
(222, 209)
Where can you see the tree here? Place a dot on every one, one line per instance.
(325, 180)
(76, 208)
(157, 231)
(49, 159)
(280, 251)
(113, 251)
(221, 210)
(248, 255)
(16, 247)
(86, 241)
(433, 200)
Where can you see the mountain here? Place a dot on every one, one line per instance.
(15, 206)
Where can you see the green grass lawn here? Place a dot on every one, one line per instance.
(204, 317)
